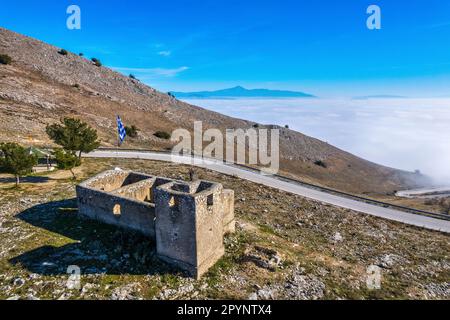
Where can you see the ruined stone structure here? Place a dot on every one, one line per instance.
(187, 220)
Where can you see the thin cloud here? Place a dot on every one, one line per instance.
(166, 53)
(438, 25)
(154, 72)
(169, 72)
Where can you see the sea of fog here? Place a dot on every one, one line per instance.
(410, 134)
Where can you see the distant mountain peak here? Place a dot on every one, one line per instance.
(241, 92)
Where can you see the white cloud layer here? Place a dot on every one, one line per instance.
(407, 134)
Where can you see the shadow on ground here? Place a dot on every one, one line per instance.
(30, 179)
(94, 247)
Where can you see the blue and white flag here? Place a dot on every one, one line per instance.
(121, 130)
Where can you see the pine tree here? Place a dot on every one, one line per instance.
(16, 160)
(73, 135)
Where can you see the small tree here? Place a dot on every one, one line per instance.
(5, 59)
(74, 136)
(63, 52)
(66, 160)
(132, 131)
(16, 160)
(132, 76)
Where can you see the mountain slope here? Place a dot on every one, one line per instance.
(41, 86)
(240, 92)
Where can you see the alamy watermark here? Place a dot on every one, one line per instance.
(74, 281)
(373, 280)
(73, 22)
(374, 20)
(253, 146)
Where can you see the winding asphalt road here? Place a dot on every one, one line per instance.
(271, 181)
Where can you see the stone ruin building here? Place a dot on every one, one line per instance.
(187, 220)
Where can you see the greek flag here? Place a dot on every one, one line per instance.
(121, 130)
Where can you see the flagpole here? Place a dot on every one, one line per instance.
(118, 136)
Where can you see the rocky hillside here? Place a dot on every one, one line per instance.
(285, 247)
(42, 85)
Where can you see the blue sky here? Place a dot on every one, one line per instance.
(322, 47)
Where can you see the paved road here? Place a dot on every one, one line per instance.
(425, 193)
(386, 213)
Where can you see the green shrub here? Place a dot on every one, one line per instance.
(321, 163)
(5, 59)
(67, 160)
(162, 135)
(132, 76)
(132, 131)
(97, 62)
(63, 52)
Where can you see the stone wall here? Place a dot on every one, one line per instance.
(187, 220)
(189, 228)
(117, 210)
(229, 223)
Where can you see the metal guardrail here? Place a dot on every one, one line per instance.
(305, 184)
